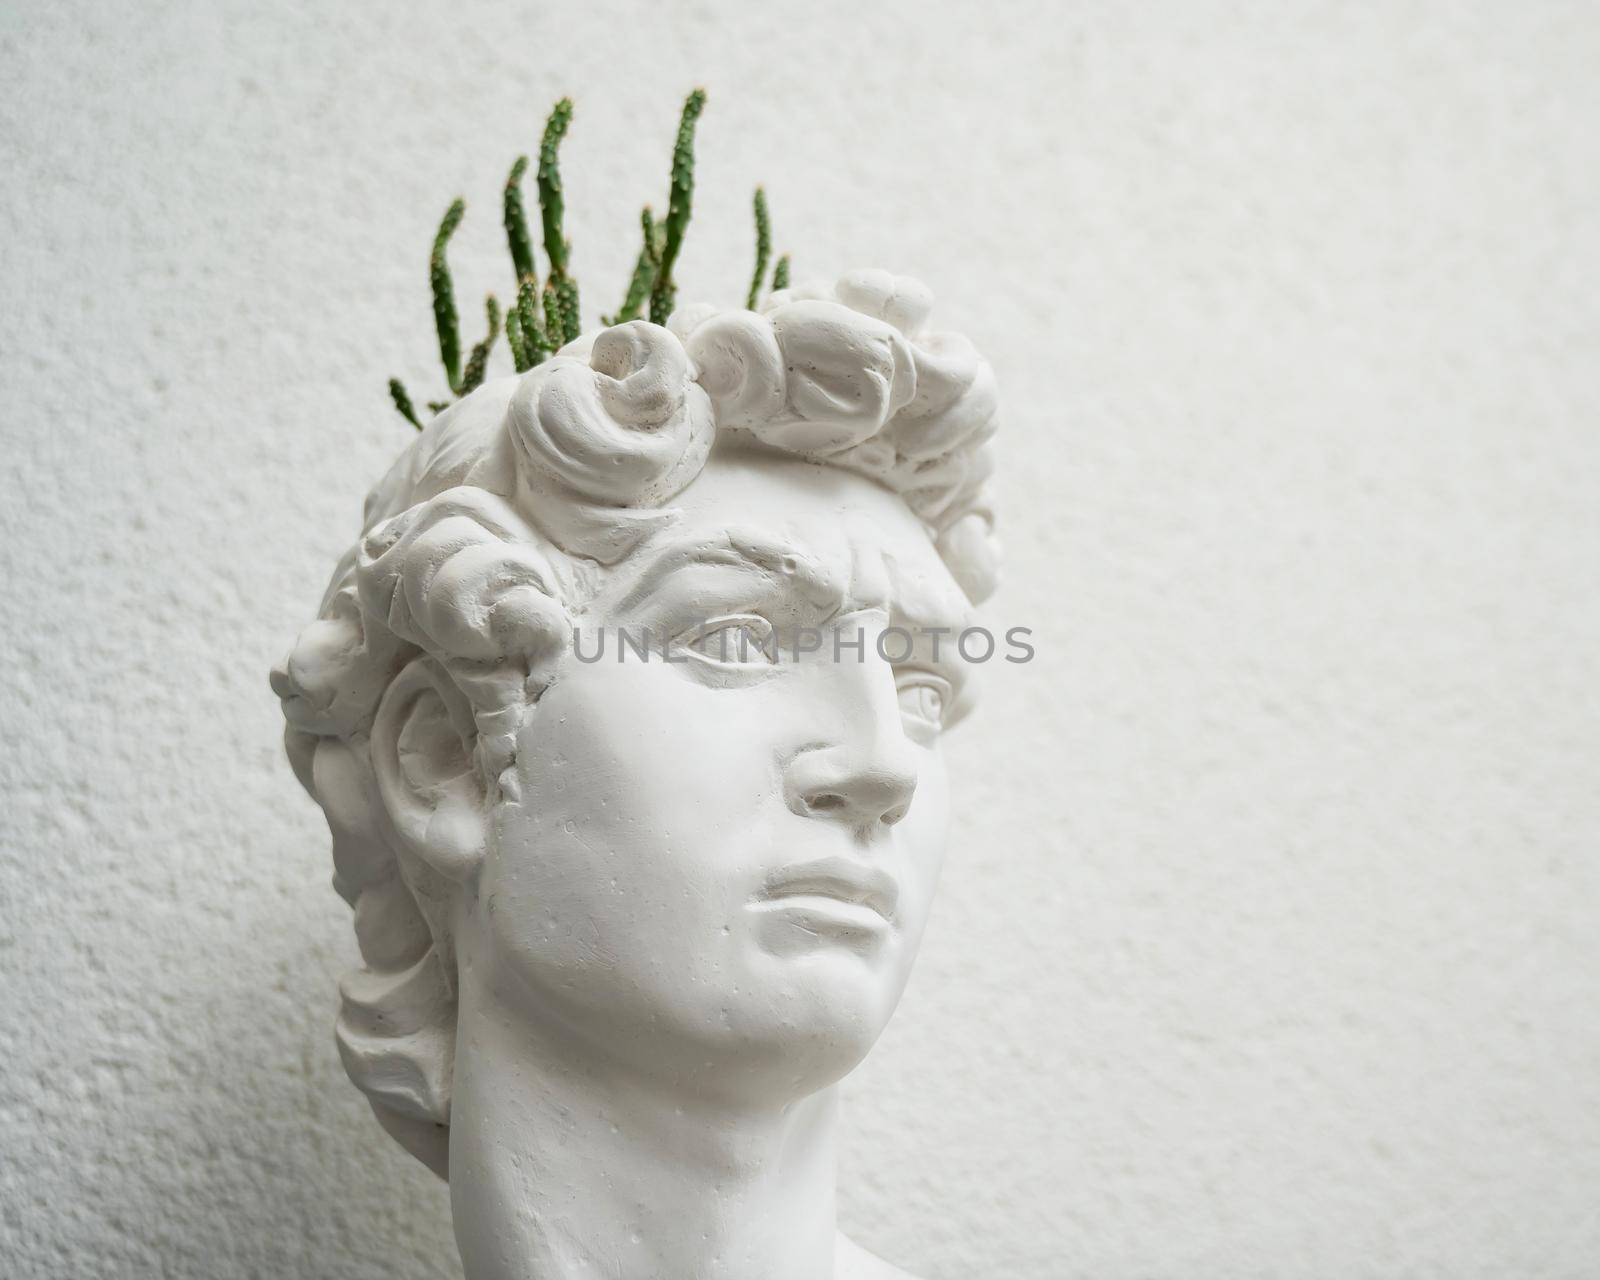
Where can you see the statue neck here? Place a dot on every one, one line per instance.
(562, 1166)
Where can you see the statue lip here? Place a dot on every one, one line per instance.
(843, 880)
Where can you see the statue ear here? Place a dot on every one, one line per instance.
(422, 754)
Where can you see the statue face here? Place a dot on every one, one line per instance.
(725, 861)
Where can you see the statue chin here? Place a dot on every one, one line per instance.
(626, 715)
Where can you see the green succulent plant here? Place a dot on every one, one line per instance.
(544, 315)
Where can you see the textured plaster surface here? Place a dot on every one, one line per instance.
(1267, 945)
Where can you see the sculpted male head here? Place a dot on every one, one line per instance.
(706, 871)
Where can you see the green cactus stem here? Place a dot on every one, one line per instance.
(535, 345)
(519, 355)
(402, 402)
(664, 295)
(554, 329)
(567, 292)
(551, 204)
(780, 274)
(445, 319)
(552, 208)
(516, 222)
(763, 248)
(478, 361)
(644, 270)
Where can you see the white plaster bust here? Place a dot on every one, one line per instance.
(626, 923)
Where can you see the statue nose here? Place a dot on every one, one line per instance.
(861, 789)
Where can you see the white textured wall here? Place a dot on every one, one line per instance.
(1269, 943)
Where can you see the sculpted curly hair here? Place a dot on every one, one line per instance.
(494, 529)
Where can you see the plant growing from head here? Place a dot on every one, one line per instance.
(543, 316)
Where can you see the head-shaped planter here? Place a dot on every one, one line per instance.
(625, 714)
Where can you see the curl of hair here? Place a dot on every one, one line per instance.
(464, 579)
(849, 375)
(604, 433)
(458, 591)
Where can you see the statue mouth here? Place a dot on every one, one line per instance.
(843, 889)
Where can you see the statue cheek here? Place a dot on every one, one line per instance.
(557, 907)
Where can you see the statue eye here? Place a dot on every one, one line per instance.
(923, 699)
(738, 641)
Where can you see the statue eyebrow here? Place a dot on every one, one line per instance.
(944, 615)
(742, 549)
(931, 608)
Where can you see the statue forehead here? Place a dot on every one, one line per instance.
(751, 487)
(837, 533)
